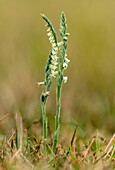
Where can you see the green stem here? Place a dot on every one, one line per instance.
(44, 119)
(57, 118)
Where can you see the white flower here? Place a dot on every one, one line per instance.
(49, 33)
(67, 34)
(60, 43)
(46, 93)
(54, 73)
(65, 79)
(56, 48)
(54, 52)
(48, 29)
(53, 45)
(54, 57)
(67, 60)
(54, 62)
(52, 67)
(65, 38)
(65, 65)
(40, 83)
(51, 38)
(52, 41)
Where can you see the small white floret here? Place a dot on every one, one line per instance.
(65, 65)
(54, 73)
(53, 45)
(52, 41)
(46, 93)
(65, 38)
(51, 38)
(67, 34)
(49, 33)
(54, 52)
(60, 43)
(56, 48)
(54, 62)
(66, 55)
(65, 79)
(40, 83)
(48, 29)
(67, 60)
(54, 57)
(53, 67)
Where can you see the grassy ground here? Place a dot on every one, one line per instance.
(88, 99)
(23, 149)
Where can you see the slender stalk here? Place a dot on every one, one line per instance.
(63, 64)
(57, 118)
(50, 71)
(44, 119)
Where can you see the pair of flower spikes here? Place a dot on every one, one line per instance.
(58, 49)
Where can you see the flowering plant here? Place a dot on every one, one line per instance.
(56, 64)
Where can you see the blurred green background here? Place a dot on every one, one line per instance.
(88, 97)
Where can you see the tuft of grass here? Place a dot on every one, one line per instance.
(96, 152)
